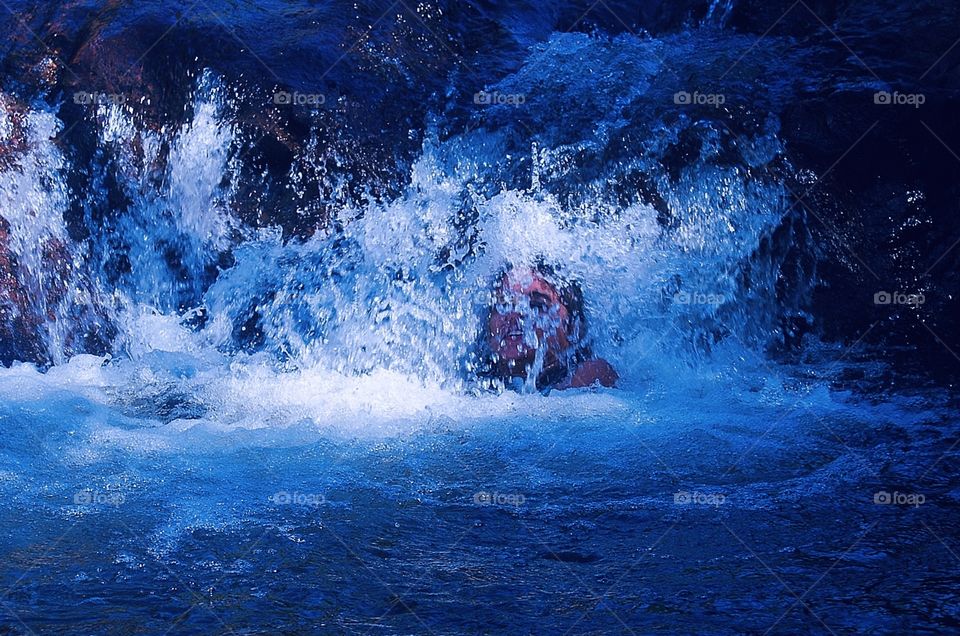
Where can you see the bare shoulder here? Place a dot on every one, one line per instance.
(594, 371)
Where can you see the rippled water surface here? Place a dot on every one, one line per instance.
(244, 387)
(729, 502)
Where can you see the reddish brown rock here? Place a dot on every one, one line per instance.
(18, 328)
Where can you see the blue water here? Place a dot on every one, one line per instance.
(290, 434)
(707, 502)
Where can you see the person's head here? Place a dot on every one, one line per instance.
(533, 311)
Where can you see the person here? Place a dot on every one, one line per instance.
(536, 333)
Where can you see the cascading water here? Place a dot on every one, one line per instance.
(403, 284)
(295, 430)
(178, 221)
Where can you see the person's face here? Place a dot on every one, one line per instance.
(528, 313)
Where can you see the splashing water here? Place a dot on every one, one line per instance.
(277, 414)
(178, 222)
(395, 293)
(51, 307)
